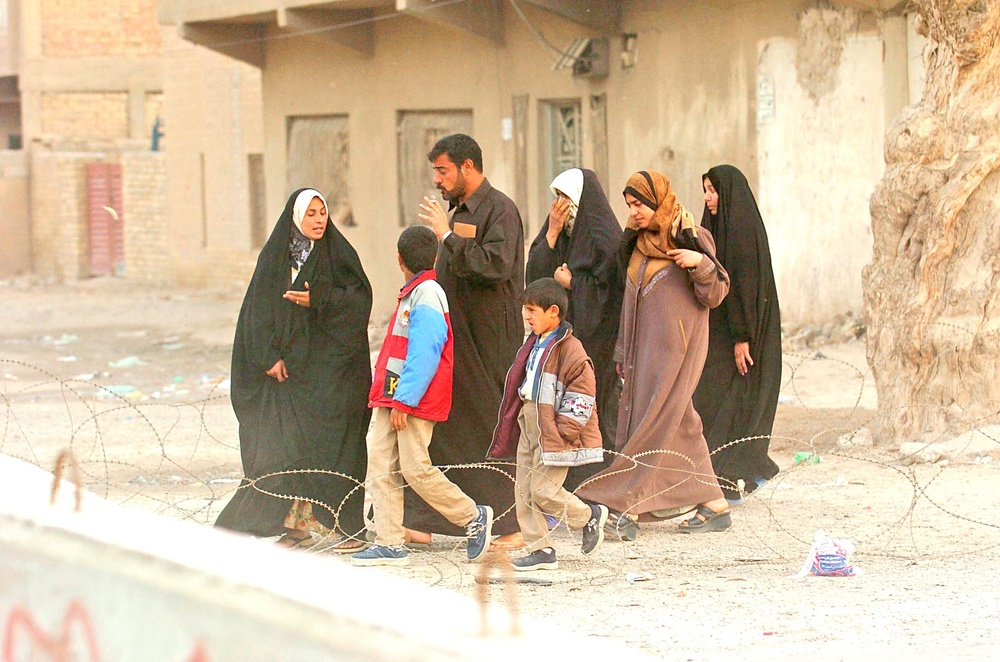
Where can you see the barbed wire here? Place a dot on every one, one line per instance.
(181, 459)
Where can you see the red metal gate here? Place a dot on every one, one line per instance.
(105, 228)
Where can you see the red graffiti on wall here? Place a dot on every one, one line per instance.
(21, 626)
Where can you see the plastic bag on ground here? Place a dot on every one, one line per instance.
(829, 557)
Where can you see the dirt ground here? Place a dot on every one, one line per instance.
(135, 381)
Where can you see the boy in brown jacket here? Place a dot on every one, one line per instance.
(548, 408)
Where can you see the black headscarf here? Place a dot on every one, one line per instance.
(590, 254)
(742, 247)
(318, 417)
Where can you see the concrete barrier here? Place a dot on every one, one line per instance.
(109, 583)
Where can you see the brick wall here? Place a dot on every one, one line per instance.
(86, 114)
(59, 213)
(144, 204)
(86, 28)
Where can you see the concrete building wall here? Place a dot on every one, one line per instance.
(212, 106)
(15, 224)
(818, 162)
(687, 104)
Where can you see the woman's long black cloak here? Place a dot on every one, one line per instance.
(595, 300)
(317, 418)
(733, 406)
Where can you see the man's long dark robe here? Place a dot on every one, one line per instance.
(734, 406)
(318, 417)
(483, 278)
(595, 300)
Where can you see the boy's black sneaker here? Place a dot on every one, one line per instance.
(540, 559)
(478, 533)
(593, 532)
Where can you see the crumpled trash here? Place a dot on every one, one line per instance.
(805, 457)
(66, 359)
(638, 577)
(127, 362)
(829, 557)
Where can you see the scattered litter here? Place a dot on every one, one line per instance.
(786, 400)
(181, 391)
(167, 341)
(828, 558)
(840, 482)
(172, 346)
(84, 377)
(983, 459)
(225, 481)
(132, 334)
(638, 577)
(783, 486)
(226, 383)
(681, 594)
(178, 379)
(66, 359)
(805, 457)
(127, 362)
(65, 339)
(9, 376)
(120, 390)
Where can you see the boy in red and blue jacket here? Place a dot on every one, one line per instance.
(411, 391)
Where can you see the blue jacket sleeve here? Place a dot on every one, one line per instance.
(427, 337)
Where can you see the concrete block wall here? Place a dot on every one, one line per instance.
(144, 205)
(59, 213)
(127, 585)
(86, 114)
(15, 221)
(89, 28)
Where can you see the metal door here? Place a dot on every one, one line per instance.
(319, 158)
(416, 133)
(105, 221)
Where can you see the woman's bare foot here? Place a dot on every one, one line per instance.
(416, 537)
(717, 505)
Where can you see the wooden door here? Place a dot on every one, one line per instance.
(417, 132)
(105, 221)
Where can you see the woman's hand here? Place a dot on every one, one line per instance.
(743, 359)
(300, 298)
(558, 215)
(279, 371)
(435, 216)
(684, 258)
(620, 370)
(564, 276)
(397, 420)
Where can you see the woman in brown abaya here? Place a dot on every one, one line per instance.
(663, 468)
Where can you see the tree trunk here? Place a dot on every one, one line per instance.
(931, 292)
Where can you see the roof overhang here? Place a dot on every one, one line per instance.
(239, 28)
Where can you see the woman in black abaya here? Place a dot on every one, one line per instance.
(578, 246)
(737, 395)
(300, 379)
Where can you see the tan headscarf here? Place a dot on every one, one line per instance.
(669, 218)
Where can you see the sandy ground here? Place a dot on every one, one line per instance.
(135, 381)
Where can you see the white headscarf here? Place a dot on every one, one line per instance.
(570, 183)
(298, 247)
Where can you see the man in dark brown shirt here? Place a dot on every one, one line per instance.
(481, 267)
